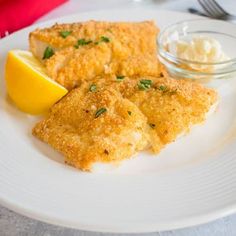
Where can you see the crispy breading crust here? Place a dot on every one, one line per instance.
(157, 116)
(73, 128)
(171, 105)
(138, 34)
(131, 50)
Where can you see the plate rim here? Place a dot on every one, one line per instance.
(181, 224)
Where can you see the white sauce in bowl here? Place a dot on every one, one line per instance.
(198, 49)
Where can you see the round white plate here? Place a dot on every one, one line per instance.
(192, 181)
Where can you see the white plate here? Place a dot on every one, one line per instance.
(192, 181)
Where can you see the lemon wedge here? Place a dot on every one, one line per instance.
(28, 84)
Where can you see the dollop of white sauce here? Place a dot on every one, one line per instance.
(198, 49)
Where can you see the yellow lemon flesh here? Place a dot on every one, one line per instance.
(28, 84)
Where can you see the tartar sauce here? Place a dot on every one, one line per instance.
(198, 49)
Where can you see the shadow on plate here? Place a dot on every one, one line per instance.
(47, 150)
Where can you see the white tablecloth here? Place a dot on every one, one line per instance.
(12, 224)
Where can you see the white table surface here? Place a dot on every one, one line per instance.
(13, 224)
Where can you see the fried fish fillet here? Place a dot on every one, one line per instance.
(135, 118)
(94, 127)
(101, 48)
(171, 106)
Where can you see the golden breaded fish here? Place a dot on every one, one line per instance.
(171, 106)
(81, 51)
(90, 127)
(109, 119)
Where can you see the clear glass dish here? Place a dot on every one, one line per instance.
(223, 32)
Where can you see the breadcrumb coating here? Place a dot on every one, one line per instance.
(134, 120)
(127, 48)
(94, 127)
(171, 106)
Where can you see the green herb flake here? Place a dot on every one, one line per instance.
(65, 34)
(48, 53)
(100, 112)
(144, 84)
(82, 42)
(120, 77)
(102, 39)
(105, 39)
(163, 88)
(93, 88)
(129, 112)
(146, 81)
(152, 125)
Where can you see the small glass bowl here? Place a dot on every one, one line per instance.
(223, 32)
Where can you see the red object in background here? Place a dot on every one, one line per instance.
(16, 14)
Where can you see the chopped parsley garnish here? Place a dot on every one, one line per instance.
(82, 42)
(129, 112)
(93, 88)
(152, 125)
(103, 39)
(100, 111)
(65, 34)
(163, 88)
(146, 81)
(144, 84)
(141, 86)
(120, 77)
(48, 53)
